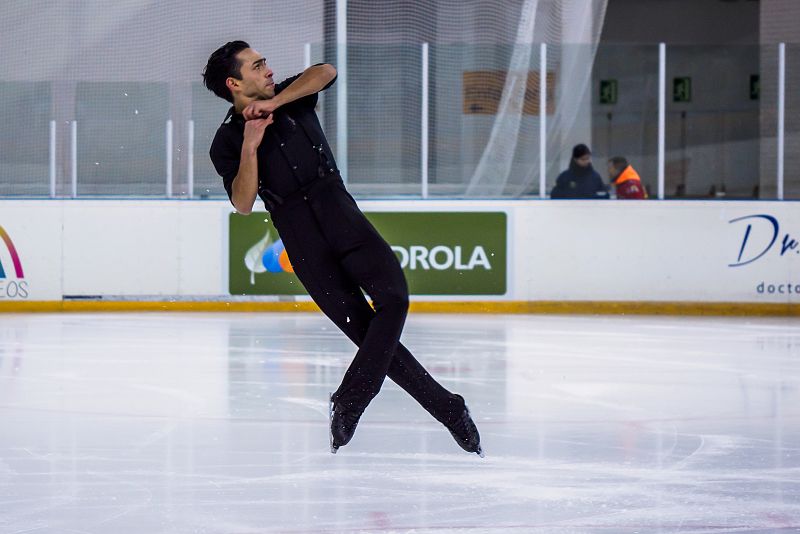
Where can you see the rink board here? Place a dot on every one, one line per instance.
(556, 251)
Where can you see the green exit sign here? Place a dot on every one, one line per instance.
(682, 89)
(609, 90)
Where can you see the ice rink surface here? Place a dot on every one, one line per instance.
(216, 423)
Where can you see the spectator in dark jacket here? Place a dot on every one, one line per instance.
(580, 180)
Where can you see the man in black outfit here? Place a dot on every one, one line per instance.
(271, 144)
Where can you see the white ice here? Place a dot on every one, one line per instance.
(216, 423)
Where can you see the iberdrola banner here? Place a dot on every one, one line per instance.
(442, 253)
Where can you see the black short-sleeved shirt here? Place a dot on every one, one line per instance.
(287, 156)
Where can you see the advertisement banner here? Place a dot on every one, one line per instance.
(672, 251)
(30, 254)
(765, 254)
(442, 253)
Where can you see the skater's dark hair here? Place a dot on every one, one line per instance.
(618, 162)
(223, 65)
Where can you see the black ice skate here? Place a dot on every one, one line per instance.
(342, 424)
(465, 432)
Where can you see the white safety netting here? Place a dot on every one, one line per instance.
(120, 71)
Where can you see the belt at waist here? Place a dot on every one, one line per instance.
(300, 195)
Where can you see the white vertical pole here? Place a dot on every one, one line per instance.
(543, 120)
(190, 159)
(341, 90)
(306, 55)
(662, 108)
(52, 159)
(425, 111)
(781, 113)
(73, 152)
(169, 158)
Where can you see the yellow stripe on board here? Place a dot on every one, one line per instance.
(514, 307)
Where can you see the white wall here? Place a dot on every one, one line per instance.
(558, 250)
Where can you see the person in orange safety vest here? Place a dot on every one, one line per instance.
(625, 179)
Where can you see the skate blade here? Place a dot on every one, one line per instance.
(479, 452)
(330, 421)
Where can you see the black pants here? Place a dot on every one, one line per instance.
(335, 252)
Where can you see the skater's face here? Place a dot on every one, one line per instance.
(584, 161)
(256, 82)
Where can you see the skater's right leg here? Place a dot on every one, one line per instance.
(412, 377)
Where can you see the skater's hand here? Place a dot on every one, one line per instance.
(254, 131)
(260, 109)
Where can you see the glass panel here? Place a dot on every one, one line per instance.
(25, 111)
(712, 123)
(121, 138)
(468, 123)
(721, 123)
(767, 93)
(384, 119)
(570, 123)
(208, 111)
(625, 110)
(791, 165)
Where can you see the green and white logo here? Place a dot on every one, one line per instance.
(442, 253)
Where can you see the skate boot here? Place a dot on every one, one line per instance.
(465, 432)
(342, 424)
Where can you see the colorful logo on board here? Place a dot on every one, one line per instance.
(12, 251)
(275, 259)
(267, 256)
(12, 283)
